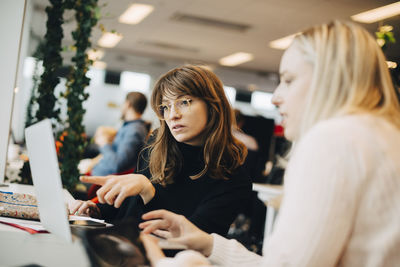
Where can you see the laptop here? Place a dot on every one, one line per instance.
(46, 178)
(48, 187)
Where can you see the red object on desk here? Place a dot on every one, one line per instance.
(95, 200)
(29, 230)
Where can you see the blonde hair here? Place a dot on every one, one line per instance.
(350, 74)
(222, 152)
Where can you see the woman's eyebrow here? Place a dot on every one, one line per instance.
(178, 97)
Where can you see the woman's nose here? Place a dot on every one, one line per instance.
(174, 113)
(276, 97)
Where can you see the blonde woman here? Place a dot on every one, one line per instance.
(193, 163)
(341, 205)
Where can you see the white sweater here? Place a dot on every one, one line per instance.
(341, 204)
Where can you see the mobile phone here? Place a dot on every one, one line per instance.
(87, 223)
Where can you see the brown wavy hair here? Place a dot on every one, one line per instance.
(222, 152)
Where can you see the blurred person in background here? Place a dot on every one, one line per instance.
(119, 150)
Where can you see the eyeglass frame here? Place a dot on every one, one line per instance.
(161, 115)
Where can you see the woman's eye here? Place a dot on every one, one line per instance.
(288, 81)
(185, 102)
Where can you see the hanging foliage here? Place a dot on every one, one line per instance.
(52, 61)
(74, 137)
(71, 140)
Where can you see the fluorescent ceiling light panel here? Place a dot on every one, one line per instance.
(378, 14)
(109, 39)
(135, 13)
(282, 43)
(236, 59)
(95, 54)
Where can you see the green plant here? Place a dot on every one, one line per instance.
(384, 36)
(87, 14)
(52, 61)
(73, 140)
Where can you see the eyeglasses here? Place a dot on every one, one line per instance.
(180, 105)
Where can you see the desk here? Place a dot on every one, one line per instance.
(270, 195)
(18, 247)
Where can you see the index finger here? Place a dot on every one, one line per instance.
(159, 214)
(153, 250)
(99, 180)
(75, 206)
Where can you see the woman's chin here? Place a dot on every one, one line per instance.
(289, 135)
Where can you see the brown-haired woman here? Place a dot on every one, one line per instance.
(192, 165)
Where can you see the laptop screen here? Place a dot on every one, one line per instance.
(46, 178)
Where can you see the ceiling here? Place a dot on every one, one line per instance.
(162, 37)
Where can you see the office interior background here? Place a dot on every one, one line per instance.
(173, 32)
(176, 32)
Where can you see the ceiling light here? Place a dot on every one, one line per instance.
(109, 39)
(99, 65)
(95, 54)
(135, 13)
(391, 64)
(282, 43)
(378, 14)
(236, 59)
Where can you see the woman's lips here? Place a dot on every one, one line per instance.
(177, 128)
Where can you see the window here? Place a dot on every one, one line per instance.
(134, 81)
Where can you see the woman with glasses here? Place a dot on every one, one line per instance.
(192, 165)
(341, 203)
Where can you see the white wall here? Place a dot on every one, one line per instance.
(11, 20)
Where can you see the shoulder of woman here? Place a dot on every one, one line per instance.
(338, 140)
(344, 129)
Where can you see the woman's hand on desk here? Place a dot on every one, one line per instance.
(115, 188)
(79, 207)
(176, 228)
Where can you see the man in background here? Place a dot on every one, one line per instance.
(119, 150)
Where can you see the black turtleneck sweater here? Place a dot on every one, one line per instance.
(211, 204)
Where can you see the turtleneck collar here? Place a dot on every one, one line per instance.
(193, 161)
